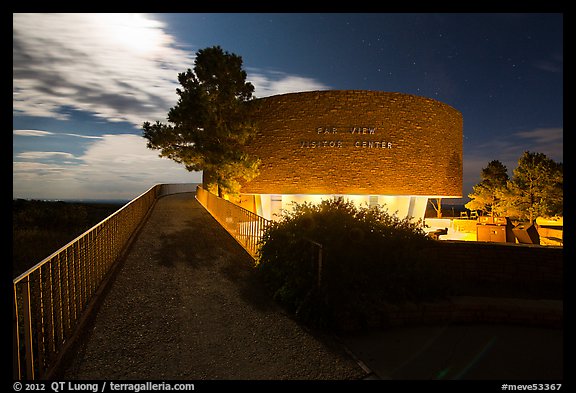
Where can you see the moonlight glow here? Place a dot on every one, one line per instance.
(133, 32)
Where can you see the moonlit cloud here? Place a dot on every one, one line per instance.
(122, 165)
(40, 133)
(43, 155)
(510, 147)
(120, 67)
(273, 82)
(32, 133)
(544, 135)
(553, 64)
(113, 167)
(32, 171)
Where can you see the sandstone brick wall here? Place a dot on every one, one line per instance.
(357, 142)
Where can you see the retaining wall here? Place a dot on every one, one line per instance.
(494, 282)
(501, 269)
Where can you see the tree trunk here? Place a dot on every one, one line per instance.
(437, 207)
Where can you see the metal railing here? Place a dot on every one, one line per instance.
(248, 227)
(245, 226)
(50, 298)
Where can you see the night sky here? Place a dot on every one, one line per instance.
(83, 84)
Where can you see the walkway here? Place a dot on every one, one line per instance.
(184, 305)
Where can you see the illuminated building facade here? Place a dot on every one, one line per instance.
(372, 147)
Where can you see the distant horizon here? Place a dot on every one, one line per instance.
(97, 200)
(445, 201)
(103, 201)
(114, 201)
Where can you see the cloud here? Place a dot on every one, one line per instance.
(41, 133)
(30, 171)
(268, 83)
(555, 64)
(509, 148)
(113, 167)
(544, 136)
(32, 133)
(43, 155)
(120, 67)
(122, 164)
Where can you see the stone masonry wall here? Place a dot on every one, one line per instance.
(495, 283)
(357, 142)
(514, 270)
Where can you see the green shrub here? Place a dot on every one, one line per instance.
(370, 259)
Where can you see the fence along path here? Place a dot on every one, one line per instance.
(244, 226)
(185, 304)
(54, 296)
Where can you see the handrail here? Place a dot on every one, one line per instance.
(244, 226)
(50, 297)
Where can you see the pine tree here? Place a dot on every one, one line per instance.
(536, 188)
(210, 124)
(486, 195)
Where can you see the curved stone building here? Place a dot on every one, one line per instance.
(372, 147)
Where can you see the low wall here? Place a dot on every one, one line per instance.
(501, 269)
(493, 283)
(473, 310)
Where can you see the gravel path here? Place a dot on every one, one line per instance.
(185, 305)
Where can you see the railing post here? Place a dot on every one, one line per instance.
(49, 304)
(16, 370)
(320, 252)
(319, 265)
(27, 321)
(40, 321)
